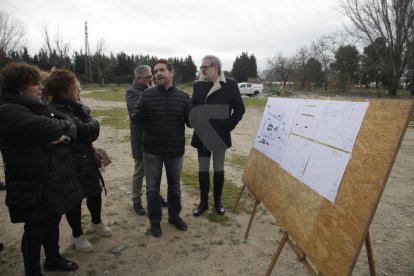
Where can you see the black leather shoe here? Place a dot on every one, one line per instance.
(155, 229)
(2, 186)
(220, 208)
(200, 209)
(164, 203)
(60, 264)
(178, 223)
(139, 210)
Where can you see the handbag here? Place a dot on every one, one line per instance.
(101, 157)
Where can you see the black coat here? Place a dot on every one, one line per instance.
(132, 96)
(82, 153)
(40, 179)
(228, 97)
(164, 114)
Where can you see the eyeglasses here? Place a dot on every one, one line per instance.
(204, 67)
(146, 77)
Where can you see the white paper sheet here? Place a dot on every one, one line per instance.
(324, 170)
(296, 156)
(275, 126)
(311, 139)
(340, 124)
(309, 114)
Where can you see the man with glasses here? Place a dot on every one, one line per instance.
(143, 80)
(219, 109)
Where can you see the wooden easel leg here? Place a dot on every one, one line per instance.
(251, 219)
(277, 254)
(238, 199)
(370, 255)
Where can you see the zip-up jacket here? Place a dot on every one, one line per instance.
(164, 114)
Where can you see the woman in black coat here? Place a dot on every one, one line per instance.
(40, 182)
(217, 109)
(63, 89)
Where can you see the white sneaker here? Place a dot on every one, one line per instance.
(101, 228)
(82, 244)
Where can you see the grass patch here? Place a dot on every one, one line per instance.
(117, 93)
(187, 87)
(189, 177)
(116, 118)
(412, 117)
(236, 159)
(255, 102)
(107, 93)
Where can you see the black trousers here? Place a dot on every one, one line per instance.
(46, 233)
(94, 204)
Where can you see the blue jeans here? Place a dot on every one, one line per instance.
(153, 170)
(36, 234)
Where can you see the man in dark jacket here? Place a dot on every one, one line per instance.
(142, 81)
(163, 110)
(218, 108)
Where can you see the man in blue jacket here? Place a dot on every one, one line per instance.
(163, 110)
(218, 108)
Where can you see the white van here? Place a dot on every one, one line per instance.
(252, 89)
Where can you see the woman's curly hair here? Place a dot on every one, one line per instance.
(61, 84)
(16, 77)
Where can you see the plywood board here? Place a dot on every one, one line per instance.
(332, 234)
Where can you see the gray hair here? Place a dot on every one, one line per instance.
(214, 61)
(141, 69)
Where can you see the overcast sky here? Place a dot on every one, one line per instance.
(180, 27)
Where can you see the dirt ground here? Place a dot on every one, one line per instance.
(209, 248)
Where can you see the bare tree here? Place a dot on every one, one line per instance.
(282, 67)
(391, 20)
(100, 60)
(58, 49)
(12, 34)
(300, 59)
(324, 49)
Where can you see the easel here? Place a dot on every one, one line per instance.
(295, 247)
(302, 256)
(312, 226)
(256, 203)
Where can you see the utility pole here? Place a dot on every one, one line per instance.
(88, 61)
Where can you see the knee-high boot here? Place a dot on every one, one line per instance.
(218, 181)
(204, 184)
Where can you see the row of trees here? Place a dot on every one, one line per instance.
(384, 29)
(116, 68)
(97, 67)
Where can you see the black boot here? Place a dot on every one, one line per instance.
(204, 183)
(218, 181)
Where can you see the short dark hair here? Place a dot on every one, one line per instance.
(15, 77)
(60, 84)
(166, 62)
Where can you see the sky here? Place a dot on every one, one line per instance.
(178, 28)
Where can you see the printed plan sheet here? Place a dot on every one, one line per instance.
(311, 139)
